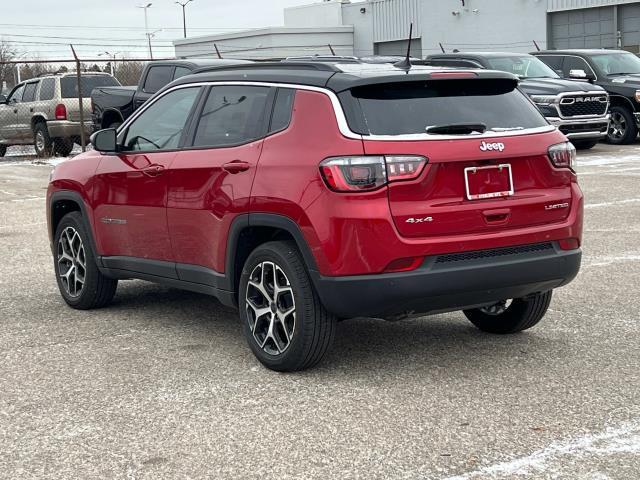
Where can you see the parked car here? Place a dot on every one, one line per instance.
(45, 112)
(578, 109)
(308, 192)
(113, 105)
(617, 71)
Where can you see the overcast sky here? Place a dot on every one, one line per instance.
(44, 28)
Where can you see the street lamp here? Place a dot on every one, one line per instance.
(184, 17)
(112, 56)
(150, 36)
(146, 25)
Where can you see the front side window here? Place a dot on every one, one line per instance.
(160, 126)
(413, 107)
(232, 115)
(16, 95)
(575, 63)
(157, 78)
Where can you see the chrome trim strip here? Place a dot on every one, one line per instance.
(340, 116)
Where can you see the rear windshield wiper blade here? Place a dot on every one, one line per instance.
(457, 128)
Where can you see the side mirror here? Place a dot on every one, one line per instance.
(3, 99)
(105, 140)
(580, 75)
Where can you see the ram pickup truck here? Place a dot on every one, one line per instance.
(113, 105)
(617, 71)
(578, 109)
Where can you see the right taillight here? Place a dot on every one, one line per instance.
(61, 112)
(563, 155)
(369, 172)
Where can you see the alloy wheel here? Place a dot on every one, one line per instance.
(618, 125)
(72, 262)
(271, 308)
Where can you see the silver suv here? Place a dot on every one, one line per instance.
(45, 112)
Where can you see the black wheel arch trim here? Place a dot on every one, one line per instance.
(76, 198)
(623, 100)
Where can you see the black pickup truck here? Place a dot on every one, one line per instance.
(113, 105)
(578, 109)
(617, 71)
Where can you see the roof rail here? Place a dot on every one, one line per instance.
(293, 65)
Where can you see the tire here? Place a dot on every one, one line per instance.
(41, 140)
(3, 150)
(522, 314)
(63, 146)
(302, 338)
(622, 128)
(71, 249)
(584, 144)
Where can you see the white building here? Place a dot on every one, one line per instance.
(382, 27)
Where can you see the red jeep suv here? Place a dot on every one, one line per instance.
(307, 192)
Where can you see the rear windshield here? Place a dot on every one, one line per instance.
(412, 107)
(69, 84)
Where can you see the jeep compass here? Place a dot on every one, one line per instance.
(304, 193)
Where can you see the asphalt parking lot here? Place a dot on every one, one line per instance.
(162, 385)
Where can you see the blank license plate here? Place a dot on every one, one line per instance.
(488, 182)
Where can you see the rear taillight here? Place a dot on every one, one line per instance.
(563, 155)
(61, 112)
(366, 173)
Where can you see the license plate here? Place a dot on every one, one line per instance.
(492, 181)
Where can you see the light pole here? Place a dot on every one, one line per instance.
(112, 56)
(150, 36)
(146, 25)
(184, 16)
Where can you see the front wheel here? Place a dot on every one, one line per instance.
(521, 314)
(622, 128)
(284, 322)
(81, 284)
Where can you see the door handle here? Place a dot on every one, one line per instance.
(15, 110)
(153, 170)
(236, 166)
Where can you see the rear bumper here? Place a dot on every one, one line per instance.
(582, 129)
(67, 128)
(451, 282)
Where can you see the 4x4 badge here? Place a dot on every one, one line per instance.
(490, 147)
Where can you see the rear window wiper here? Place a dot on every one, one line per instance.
(457, 128)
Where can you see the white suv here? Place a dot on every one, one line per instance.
(45, 112)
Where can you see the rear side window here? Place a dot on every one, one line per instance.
(282, 109)
(47, 88)
(69, 84)
(232, 115)
(181, 72)
(30, 92)
(157, 78)
(411, 107)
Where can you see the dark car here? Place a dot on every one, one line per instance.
(579, 110)
(303, 193)
(617, 71)
(113, 105)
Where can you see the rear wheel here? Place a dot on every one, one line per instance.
(511, 317)
(584, 144)
(80, 282)
(63, 146)
(622, 128)
(41, 140)
(284, 322)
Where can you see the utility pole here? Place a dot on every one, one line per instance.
(184, 16)
(146, 26)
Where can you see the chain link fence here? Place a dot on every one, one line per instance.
(45, 105)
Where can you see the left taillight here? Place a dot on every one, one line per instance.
(369, 172)
(61, 112)
(563, 155)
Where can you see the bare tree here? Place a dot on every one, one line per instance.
(127, 72)
(7, 53)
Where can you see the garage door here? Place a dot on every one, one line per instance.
(630, 26)
(588, 28)
(399, 47)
